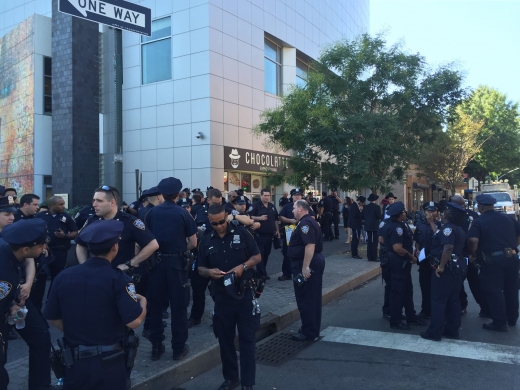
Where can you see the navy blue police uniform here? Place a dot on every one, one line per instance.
(423, 235)
(225, 253)
(497, 236)
(95, 302)
(308, 295)
(335, 216)
(59, 247)
(445, 289)
(265, 233)
(283, 201)
(35, 333)
(82, 216)
(171, 226)
(400, 270)
(385, 269)
(326, 217)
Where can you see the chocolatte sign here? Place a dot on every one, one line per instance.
(251, 160)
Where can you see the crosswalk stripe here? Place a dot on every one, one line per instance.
(413, 343)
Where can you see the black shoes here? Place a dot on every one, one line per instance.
(463, 311)
(301, 337)
(247, 387)
(165, 314)
(184, 352)
(448, 335)
(492, 326)
(157, 351)
(387, 316)
(484, 314)
(418, 322)
(356, 257)
(193, 322)
(283, 278)
(427, 336)
(511, 323)
(229, 385)
(336, 238)
(424, 316)
(400, 326)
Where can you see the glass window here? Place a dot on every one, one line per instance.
(47, 85)
(156, 52)
(272, 68)
(302, 70)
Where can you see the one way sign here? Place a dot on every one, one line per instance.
(115, 13)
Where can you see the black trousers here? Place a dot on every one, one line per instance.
(385, 274)
(38, 289)
(231, 314)
(264, 242)
(402, 290)
(199, 284)
(425, 282)
(335, 221)
(36, 335)
(308, 296)
(499, 285)
(372, 244)
(103, 372)
(474, 286)
(169, 285)
(286, 265)
(445, 303)
(325, 222)
(356, 235)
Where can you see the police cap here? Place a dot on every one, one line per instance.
(233, 285)
(296, 191)
(186, 190)
(455, 207)
(431, 206)
(196, 190)
(26, 232)
(239, 200)
(152, 192)
(7, 204)
(395, 209)
(101, 234)
(186, 202)
(485, 200)
(169, 186)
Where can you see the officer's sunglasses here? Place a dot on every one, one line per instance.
(107, 188)
(219, 222)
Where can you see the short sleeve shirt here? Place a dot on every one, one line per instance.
(307, 232)
(398, 233)
(10, 275)
(448, 234)
(62, 221)
(495, 231)
(267, 227)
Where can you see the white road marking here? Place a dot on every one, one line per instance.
(413, 343)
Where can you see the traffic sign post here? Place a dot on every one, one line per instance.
(115, 13)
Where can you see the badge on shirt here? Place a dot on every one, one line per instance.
(139, 224)
(130, 289)
(64, 219)
(5, 289)
(305, 229)
(236, 239)
(250, 208)
(399, 231)
(234, 212)
(447, 232)
(381, 224)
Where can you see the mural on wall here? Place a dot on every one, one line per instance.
(17, 108)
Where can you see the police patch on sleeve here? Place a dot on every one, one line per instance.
(130, 289)
(399, 231)
(234, 212)
(5, 289)
(250, 208)
(381, 224)
(139, 224)
(447, 231)
(305, 229)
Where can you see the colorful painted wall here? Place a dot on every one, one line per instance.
(17, 108)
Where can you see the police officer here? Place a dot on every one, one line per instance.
(151, 195)
(28, 207)
(241, 216)
(325, 211)
(197, 202)
(265, 213)
(371, 216)
(91, 304)
(496, 236)
(336, 202)
(226, 254)
(385, 268)
(307, 264)
(423, 236)
(355, 218)
(82, 215)
(313, 202)
(399, 243)
(175, 231)
(22, 240)
(447, 258)
(62, 229)
(283, 200)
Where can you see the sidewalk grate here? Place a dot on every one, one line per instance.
(279, 349)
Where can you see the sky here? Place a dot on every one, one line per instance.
(481, 36)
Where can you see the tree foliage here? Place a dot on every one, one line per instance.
(363, 114)
(446, 158)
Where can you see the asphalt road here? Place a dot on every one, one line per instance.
(337, 365)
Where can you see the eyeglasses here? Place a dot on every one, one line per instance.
(219, 222)
(107, 188)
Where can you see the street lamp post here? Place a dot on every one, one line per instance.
(498, 178)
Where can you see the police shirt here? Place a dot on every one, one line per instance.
(448, 234)
(195, 208)
(61, 221)
(143, 211)
(287, 212)
(335, 203)
(10, 277)
(229, 207)
(268, 227)
(134, 232)
(225, 253)
(398, 233)
(307, 232)
(171, 225)
(313, 202)
(95, 302)
(495, 231)
(381, 232)
(471, 216)
(326, 203)
(19, 215)
(283, 201)
(424, 234)
(84, 214)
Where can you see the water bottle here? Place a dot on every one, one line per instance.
(60, 382)
(19, 315)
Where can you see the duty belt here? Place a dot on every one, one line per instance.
(178, 254)
(83, 351)
(508, 252)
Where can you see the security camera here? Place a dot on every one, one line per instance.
(200, 135)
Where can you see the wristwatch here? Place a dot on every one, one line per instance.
(129, 264)
(245, 267)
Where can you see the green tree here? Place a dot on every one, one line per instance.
(501, 152)
(363, 114)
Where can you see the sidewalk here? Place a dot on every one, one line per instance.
(278, 308)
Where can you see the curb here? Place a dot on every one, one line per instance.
(272, 323)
